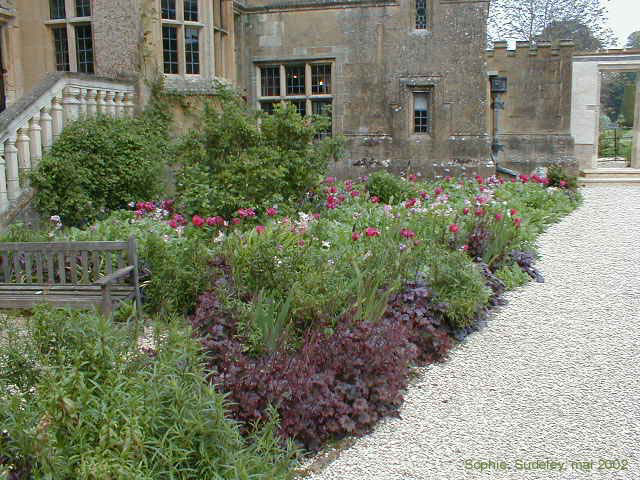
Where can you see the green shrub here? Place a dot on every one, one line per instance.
(513, 276)
(233, 162)
(98, 408)
(388, 187)
(99, 165)
(557, 174)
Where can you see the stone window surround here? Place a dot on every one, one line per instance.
(208, 29)
(413, 19)
(411, 85)
(70, 22)
(308, 96)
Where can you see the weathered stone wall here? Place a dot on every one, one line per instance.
(379, 58)
(535, 124)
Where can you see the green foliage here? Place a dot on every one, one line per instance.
(628, 105)
(513, 276)
(458, 282)
(269, 322)
(557, 174)
(239, 158)
(101, 164)
(95, 407)
(388, 187)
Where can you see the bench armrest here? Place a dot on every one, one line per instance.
(109, 279)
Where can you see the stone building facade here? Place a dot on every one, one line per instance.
(403, 80)
(535, 125)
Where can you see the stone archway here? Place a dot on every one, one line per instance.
(585, 103)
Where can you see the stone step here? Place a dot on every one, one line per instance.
(609, 181)
(610, 173)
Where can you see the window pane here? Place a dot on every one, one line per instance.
(56, 8)
(421, 14)
(268, 107)
(270, 80)
(320, 79)
(84, 48)
(323, 107)
(83, 8)
(421, 112)
(301, 107)
(61, 44)
(191, 10)
(192, 50)
(295, 79)
(170, 49)
(169, 9)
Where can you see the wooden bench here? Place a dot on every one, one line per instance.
(71, 274)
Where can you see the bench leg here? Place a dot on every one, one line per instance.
(107, 304)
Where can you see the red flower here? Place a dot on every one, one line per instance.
(513, 212)
(479, 179)
(332, 202)
(454, 228)
(149, 206)
(301, 243)
(332, 189)
(197, 221)
(517, 222)
(355, 193)
(260, 229)
(173, 223)
(465, 211)
(316, 216)
(406, 233)
(272, 212)
(412, 177)
(211, 221)
(236, 221)
(465, 248)
(480, 212)
(411, 203)
(524, 178)
(375, 199)
(330, 180)
(499, 216)
(439, 190)
(563, 183)
(167, 204)
(348, 185)
(355, 236)
(372, 232)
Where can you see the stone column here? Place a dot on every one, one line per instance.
(35, 140)
(4, 198)
(12, 172)
(57, 117)
(92, 106)
(46, 128)
(129, 105)
(119, 100)
(71, 104)
(111, 106)
(635, 147)
(101, 104)
(24, 156)
(82, 102)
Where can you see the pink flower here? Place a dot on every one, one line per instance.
(139, 213)
(513, 180)
(481, 199)
(211, 221)
(332, 202)
(332, 189)
(479, 179)
(316, 216)
(197, 221)
(173, 223)
(439, 190)
(448, 178)
(272, 212)
(179, 219)
(411, 203)
(563, 184)
(140, 206)
(545, 181)
(424, 195)
(524, 178)
(236, 221)
(355, 193)
(149, 206)
(517, 222)
(260, 229)
(465, 211)
(480, 212)
(465, 248)
(513, 212)
(499, 216)
(406, 233)
(355, 236)
(167, 204)
(341, 198)
(413, 177)
(246, 212)
(375, 199)
(330, 180)
(372, 232)
(454, 228)
(301, 243)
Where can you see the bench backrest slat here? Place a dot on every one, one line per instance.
(84, 262)
(51, 273)
(39, 269)
(63, 246)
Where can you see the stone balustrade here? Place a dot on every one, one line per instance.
(29, 129)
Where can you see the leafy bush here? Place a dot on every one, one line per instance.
(513, 276)
(99, 165)
(235, 161)
(558, 177)
(388, 187)
(98, 408)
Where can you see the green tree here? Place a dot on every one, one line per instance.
(633, 41)
(574, 30)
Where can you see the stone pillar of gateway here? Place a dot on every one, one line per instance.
(585, 109)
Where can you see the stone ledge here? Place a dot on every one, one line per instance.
(283, 5)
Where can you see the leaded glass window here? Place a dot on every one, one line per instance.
(270, 81)
(61, 46)
(57, 9)
(421, 14)
(192, 50)
(190, 10)
(170, 49)
(169, 9)
(421, 112)
(321, 78)
(295, 79)
(83, 8)
(84, 49)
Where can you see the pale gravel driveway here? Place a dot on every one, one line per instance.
(555, 375)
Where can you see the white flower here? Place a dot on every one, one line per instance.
(326, 244)
(220, 238)
(55, 218)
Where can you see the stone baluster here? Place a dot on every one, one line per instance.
(92, 106)
(102, 105)
(24, 156)
(57, 117)
(129, 106)
(82, 102)
(111, 106)
(71, 104)
(12, 170)
(46, 130)
(4, 197)
(119, 101)
(35, 140)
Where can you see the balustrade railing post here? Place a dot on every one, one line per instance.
(46, 131)
(102, 105)
(92, 106)
(119, 101)
(35, 140)
(129, 106)
(82, 102)
(71, 104)
(4, 197)
(57, 117)
(24, 157)
(111, 106)
(12, 170)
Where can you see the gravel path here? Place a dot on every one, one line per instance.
(554, 377)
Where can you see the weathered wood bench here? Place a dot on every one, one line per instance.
(71, 274)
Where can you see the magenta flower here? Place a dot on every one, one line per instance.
(272, 212)
(260, 229)
(411, 203)
(197, 221)
(375, 199)
(513, 212)
(301, 243)
(167, 204)
(406, 233)
(517, 222)
(465, 248)
(424, 195)
(173, 223)
(236, 221)
(355, 193)
(332, 202)
(139, 213)
(453, 228)
(316, 216)
(372, 232)
(563, 184)
(332, 189)
(499, 216)
(439, 190)
(355, 236)
(412, 177)
(479, 179)
(480, 212)
(466, 211)
(140, 206)
(524, 178)
(330, 180)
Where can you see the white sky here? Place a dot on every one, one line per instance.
(624, 18)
